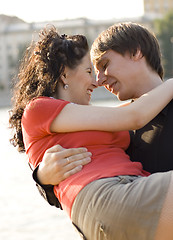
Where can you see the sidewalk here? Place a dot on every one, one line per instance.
(24, 214)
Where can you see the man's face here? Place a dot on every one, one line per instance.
(118, 74)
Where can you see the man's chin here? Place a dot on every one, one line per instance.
(117, 94)
(121, 97)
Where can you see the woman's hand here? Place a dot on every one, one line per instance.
(59, 163)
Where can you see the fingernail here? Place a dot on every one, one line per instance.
(79, 167)
(88, 159)
(85, 149)
(89, 153)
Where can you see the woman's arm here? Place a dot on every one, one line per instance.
(76, 117)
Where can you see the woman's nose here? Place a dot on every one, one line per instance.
(94, 82)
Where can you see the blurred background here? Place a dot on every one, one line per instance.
(24, 215)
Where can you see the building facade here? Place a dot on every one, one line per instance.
(15, 37)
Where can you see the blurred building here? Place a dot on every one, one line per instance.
(16, 35)
(157, 8)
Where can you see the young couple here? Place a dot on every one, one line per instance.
(111, 197)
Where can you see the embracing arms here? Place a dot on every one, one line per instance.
(54, 168)
(76, 117)
(55, 162)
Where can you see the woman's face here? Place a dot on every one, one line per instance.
(81, 82)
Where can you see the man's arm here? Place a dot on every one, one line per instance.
(46, 191)
(58, 163)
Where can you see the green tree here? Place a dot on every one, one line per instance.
(164, 32)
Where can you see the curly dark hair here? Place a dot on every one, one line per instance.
(41, 70)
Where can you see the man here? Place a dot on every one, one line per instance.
(150, 145)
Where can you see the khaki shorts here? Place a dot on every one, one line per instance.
(121, 208)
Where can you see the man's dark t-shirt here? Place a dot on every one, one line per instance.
(152, 145)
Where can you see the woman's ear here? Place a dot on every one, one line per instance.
(64, 76)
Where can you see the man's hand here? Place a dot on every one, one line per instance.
(59, 163)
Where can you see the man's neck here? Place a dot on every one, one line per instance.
(147, 85)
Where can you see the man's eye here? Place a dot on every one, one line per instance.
(104, 66)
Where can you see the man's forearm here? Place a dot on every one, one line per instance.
(46, 191)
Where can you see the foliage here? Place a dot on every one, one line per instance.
(164, 32)
(1, 86)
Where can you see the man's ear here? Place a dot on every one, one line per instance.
(138, 55)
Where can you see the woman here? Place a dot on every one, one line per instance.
(52, 107)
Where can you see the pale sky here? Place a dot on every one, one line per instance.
(41, 10)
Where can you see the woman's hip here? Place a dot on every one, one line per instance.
(122, 207)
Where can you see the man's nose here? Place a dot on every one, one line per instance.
(100, 79)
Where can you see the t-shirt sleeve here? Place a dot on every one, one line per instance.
(39, 114)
